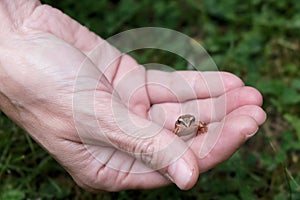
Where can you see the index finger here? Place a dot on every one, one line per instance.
(181, 86)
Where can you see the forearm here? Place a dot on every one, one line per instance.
(12, 15)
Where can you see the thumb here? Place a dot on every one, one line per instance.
(182, 166)
(156, 147)
(119, 129)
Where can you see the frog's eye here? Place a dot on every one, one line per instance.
(180, 120)
(192, 119)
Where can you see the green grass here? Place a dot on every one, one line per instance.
(257, 40)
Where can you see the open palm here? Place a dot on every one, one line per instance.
(110, 123)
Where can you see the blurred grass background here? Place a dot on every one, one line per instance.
(257, 40)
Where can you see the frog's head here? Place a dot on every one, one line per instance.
(186, 120)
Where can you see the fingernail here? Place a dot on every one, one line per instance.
(180, 173)
(252, 134)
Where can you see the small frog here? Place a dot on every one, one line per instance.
(186, 125)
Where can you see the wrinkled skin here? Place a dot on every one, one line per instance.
(41, 52)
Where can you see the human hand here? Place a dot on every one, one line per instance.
(52, 85)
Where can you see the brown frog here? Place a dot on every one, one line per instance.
(186, 126)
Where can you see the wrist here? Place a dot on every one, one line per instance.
(13, 12)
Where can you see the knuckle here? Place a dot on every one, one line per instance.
(145, 151)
